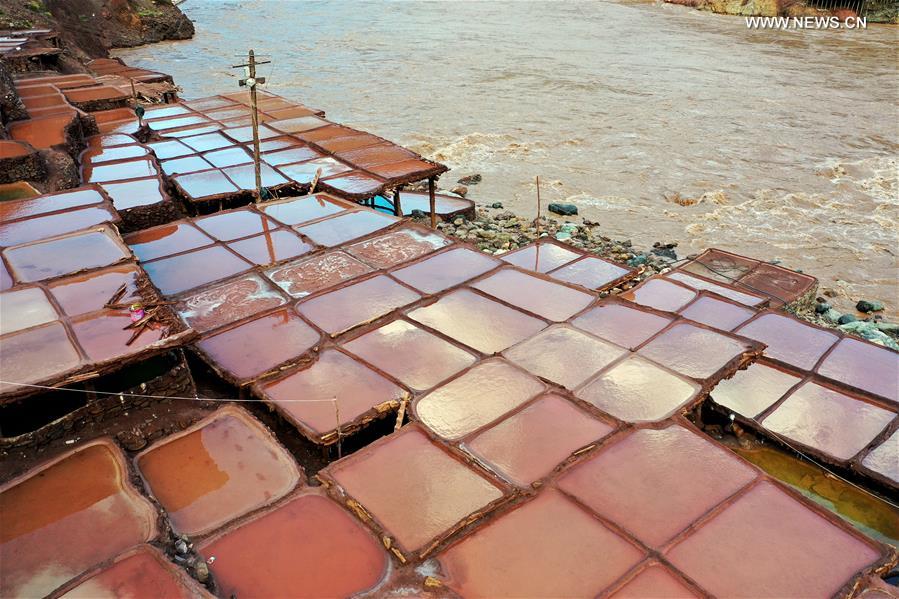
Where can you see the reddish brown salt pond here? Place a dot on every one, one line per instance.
(785, 549)
(67, 516)
(229, 302)
(548, 547)
(413, 487)
(882, 459)
(307, 397)
(590, 272)
(816, 416)
(302, 277)
(413, 356)
(303, 209)
(789, 341)
(35, 354)
(782, 285)
(864, 366)
(346, 308)
(304, 172)
(254, 347)
(65, 254)
(752, 391)
(223, 467)
(693, 351)
(720, 266)
(396, 247)
(476, 398)
(621, 324)
(541, 257)
(186, 271)
(446, 269)
(656, 483)
(166, 240)
(103, 336)
(120, 171)
(133, 574)
(528, 445)
(722, 290)
(244, 176)
(307, 547)
(207, 184)
(636, 390)
(42, 133)
(131, 194)
(717, 313)
(652, 582)
(44, 204)
(478, 322)
(660, 294)
(345, 227)
(50, 225)
(549, 300)
(23, 308)
(564, 355)
(271, 247)
(90, 291)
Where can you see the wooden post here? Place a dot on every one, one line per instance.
(537, 224)
(397, 203)
(433, 200)
(251, 81)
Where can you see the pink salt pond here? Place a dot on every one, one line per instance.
(636, 390)
(42, 227)
(540, 297)
(547, 547)
(303, 277)
(413, 356)
(717, 313)
(186, 271)
(339, 557)
(656, 483)
(133, 574)
(528, 445)
(413, 488)
(752, 391)
(660, 294)
(564, 355)
(789, 341)
(257, 346)
(652, 582)
(835, 423)
(33, 355)
(396, 247)
(271, 247)
(234, 224)
(695, 352)
(590, 272)
(67, 516)
(722, 290)
(541, 257)
(45, 204)
(346, 308)
(223, 467)
(303, 209)
(333, 378)
(131, 194)
(166, 240)
(478, 322)
(65, 254)
(23, 308)
(864, 366)
(882, 459)
(786, 549)
(481, 395)
(205, 185)
(345, 227)
(446, 269)
(621, 324)
(103, 336)
(244, 176)
(233, 300)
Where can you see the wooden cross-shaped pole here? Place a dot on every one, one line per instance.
(251, 81)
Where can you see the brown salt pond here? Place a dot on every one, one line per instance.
(414, 488)
(413, 356)
(341, 310)
(65, 254)
(752, 391)
(815, 416)
(103, 335)
(652, 582)
(529, 444)
(335, 391)
(446, 269)
(540, 297)
(67, 516)
(789, 341)
(233, 300)
(478, 322)
(722, 290)
(134, 574)
(345, 227)
(396, 247)
(636, 390)
(564, 355)
(176, 274)
(864, 366)
(590, 272)
(303, 277)
(694, 351)
(784, 549)
(660, 294)
(254, 347)
(223, 467)
(656, 483)
(548, 547)
(623, 325)
(306, 547)
(541, 257)
(476, 398)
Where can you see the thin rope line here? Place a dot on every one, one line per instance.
(197, 398)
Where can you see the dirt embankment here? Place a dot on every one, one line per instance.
(89, 28)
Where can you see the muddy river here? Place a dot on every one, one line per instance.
(661, 122)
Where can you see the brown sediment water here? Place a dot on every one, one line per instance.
(864, 511)
(697, 129)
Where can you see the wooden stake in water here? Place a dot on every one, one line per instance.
(251, 82)
(337, 416)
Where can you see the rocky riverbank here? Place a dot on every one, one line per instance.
(876, 11)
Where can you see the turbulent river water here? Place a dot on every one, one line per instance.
(782, 144)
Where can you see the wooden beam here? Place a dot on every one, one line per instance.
(433, 199)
